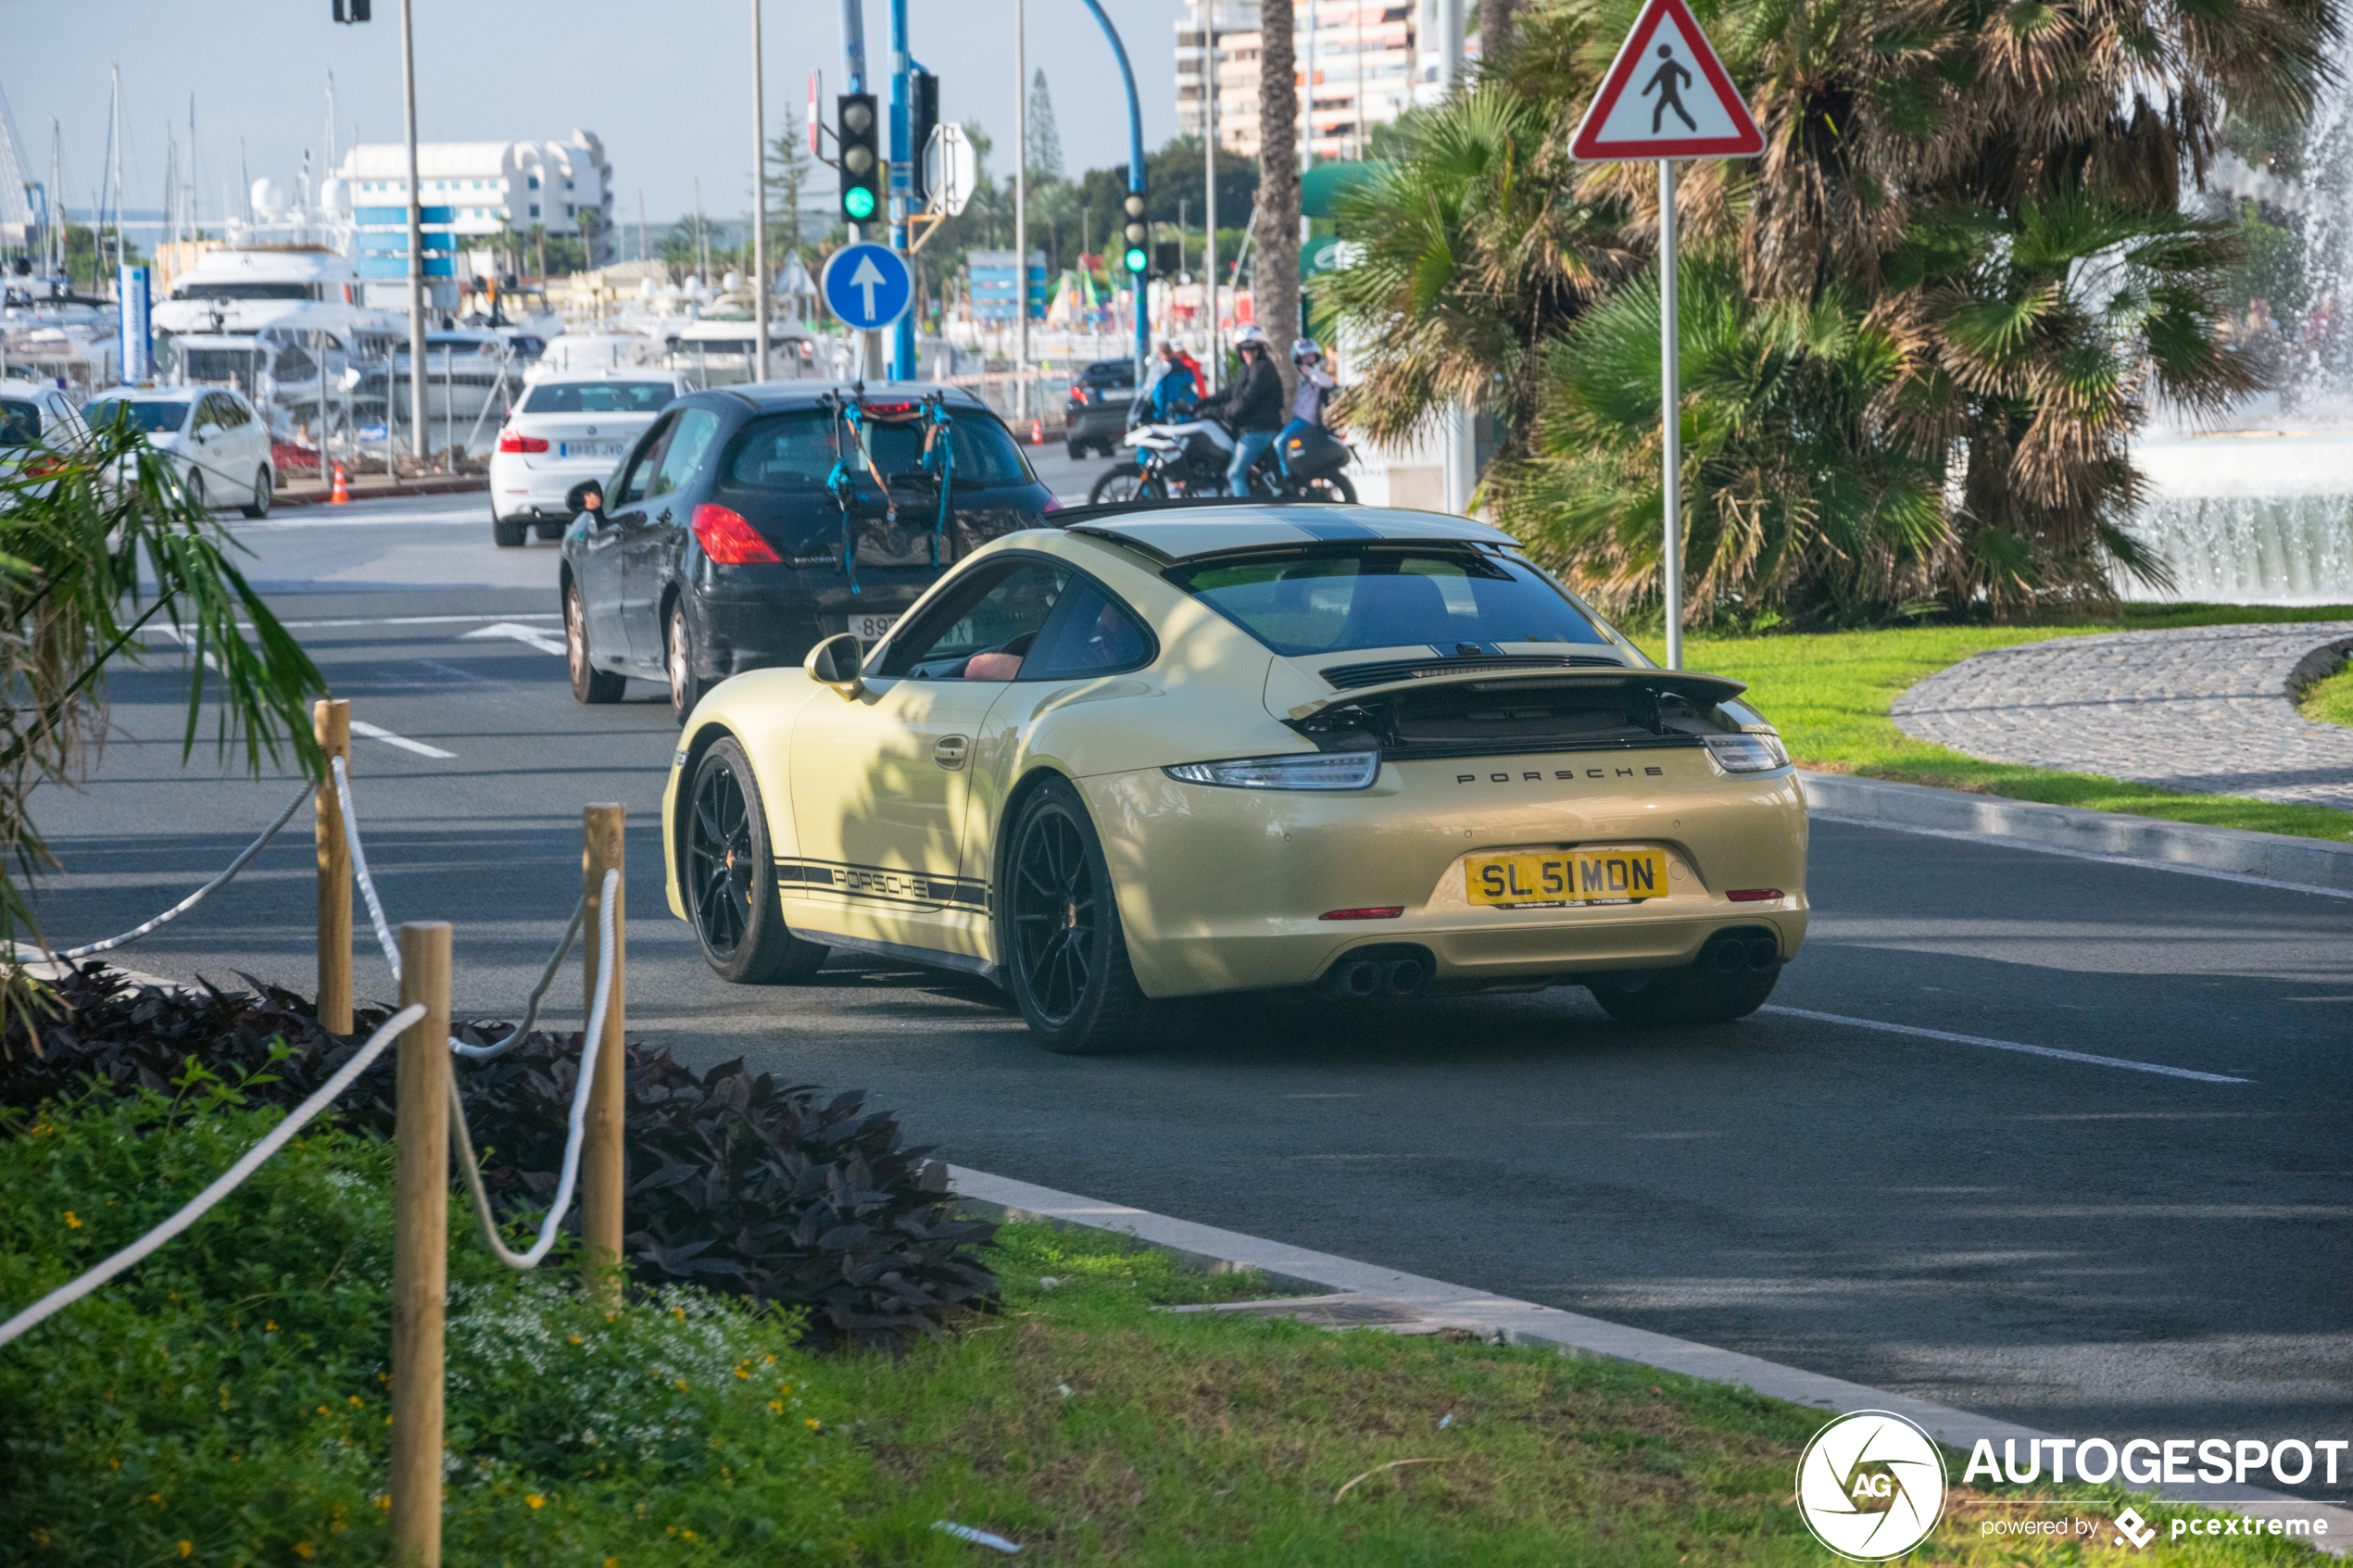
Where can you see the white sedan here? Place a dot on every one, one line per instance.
(569, 428)
(216, 442)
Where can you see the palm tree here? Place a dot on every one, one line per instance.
(1274, 288)
(539, 244)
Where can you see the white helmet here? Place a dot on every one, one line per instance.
(1305, 348)
(1249, 334)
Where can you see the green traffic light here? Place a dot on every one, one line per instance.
(858, 201)
(1136, 260)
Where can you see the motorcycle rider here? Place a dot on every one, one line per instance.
(1253, 404)
(1174, 387)
(1315, 385)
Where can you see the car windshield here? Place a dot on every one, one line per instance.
(598, 398)
(795, 451)
(155, 418)
(1331, 599)
(19, 422)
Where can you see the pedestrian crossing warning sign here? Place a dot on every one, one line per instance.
(1665, 97)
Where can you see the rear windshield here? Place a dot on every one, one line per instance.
(19, 422)
(156, 419)
(598, 398)
(1332, 599)
(795, 451)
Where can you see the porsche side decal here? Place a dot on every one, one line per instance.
(883, 884)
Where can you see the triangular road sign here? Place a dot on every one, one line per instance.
(1665, 97)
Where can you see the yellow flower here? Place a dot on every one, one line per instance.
(742, 1373)
(677, 1311)
(577, 1340)
(72, 1223)
(681, 1382)
(270, 1327)
(355, 1400)
(777, 1405)
(187, 1548)
(612, 1562)
(812, 1427)
(324, 1410)
(302, 1549)
(535, 1499)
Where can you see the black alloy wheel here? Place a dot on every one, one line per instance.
(729, 877)
(1065, 960)
(589, 682)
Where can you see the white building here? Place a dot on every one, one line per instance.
(1368, 62)
(565, 186)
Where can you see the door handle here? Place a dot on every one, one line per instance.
(950, 752)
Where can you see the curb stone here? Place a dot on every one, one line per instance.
(1418, 1303)
(2308, 862)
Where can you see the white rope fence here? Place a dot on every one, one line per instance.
(608, 949)
(360, 867)
(228, 1182)
(538, 993)
(91, 949)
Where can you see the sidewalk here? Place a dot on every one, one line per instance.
(311, 492)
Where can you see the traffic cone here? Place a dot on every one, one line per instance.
(1037, 432)
(342, 496)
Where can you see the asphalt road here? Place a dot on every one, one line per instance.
(2087, 1248)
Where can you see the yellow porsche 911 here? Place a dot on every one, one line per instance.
(1168, 753)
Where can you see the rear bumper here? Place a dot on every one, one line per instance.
(1222, 889)
(767, 617)
(518, 489)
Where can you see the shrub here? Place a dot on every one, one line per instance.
(734, 1182)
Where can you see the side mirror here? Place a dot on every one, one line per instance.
(836, 662)
(588, 495)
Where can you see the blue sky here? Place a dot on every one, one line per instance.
(667, 86)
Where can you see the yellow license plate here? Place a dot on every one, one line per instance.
(1571, 876)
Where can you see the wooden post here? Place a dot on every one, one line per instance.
(601, 1162)
(330, 722)
(421, 1248)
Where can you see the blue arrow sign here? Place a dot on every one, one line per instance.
(867, 286)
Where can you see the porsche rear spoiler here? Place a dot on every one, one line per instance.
(1699, 691)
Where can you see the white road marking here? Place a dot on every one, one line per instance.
(537, 636)
(1998, 1044)
(1999, 842)
(403, 742)
(420, 620)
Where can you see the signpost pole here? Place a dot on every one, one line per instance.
(419, 434)
(759, 202)
(1671, 420)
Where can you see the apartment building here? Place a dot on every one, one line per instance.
(1361, 63)
(496, 184)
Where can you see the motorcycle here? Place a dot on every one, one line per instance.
(1187, 455)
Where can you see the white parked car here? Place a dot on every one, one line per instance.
(569, 428)
(214, 438)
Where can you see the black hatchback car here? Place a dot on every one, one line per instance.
(1096, 416)
(751, 523)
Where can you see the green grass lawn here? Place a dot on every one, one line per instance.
(1828, 694)
(2330, 699)
(225, 1403)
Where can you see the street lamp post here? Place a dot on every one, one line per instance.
(759, 201)
(416, 245)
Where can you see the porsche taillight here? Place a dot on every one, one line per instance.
(729, 540)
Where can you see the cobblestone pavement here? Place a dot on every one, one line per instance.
(2204, 708)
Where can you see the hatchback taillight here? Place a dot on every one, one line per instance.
(509, 441)
(729, 540)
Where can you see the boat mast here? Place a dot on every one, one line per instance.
(121, 253)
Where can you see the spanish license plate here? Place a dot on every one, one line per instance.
(605, 449)
(870, 628)
(1570, 876)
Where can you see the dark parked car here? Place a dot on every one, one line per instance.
(751, 523)
(1100, 397)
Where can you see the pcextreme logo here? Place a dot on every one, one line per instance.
(1870, 1486)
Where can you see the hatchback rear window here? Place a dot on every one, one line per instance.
(156, 419)
(795, 451)
(1333, 599)
(598, 398)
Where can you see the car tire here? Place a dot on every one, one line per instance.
(192, 490)
(548, 530)
(1078, 450)
(508, 532)
(1698, 993)
(687, 688)
(1122, 483)
(1062, 953)
(728, 878)
(589, 682)
(1333, 487)
(258, 507)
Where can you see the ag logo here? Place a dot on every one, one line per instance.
(1870, 1486)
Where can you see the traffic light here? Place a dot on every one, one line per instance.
(1138, 257)
(1168, 257)
(922, 119)
(863, 169)
(352, 10)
